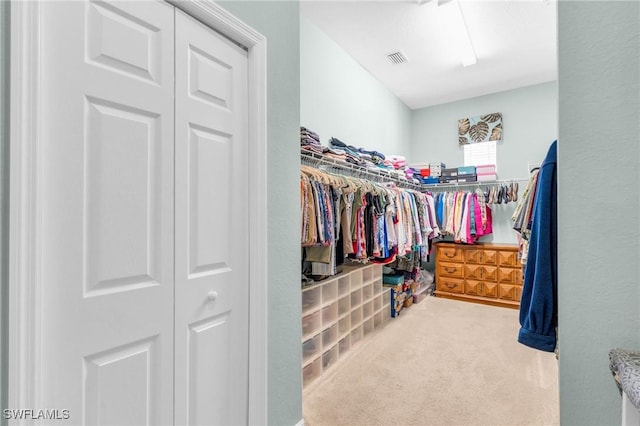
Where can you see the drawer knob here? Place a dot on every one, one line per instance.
(450, 270)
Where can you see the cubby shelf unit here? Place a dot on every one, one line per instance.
(338, 313)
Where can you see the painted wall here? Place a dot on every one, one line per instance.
(341, 99)
(279, 22)
(530, 119)
(598, 213)
(4, 203)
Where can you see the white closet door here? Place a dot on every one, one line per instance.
(212, 261)
(107, 218)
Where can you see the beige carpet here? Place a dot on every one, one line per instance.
(441, 362)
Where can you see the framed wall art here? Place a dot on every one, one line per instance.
(482, 128)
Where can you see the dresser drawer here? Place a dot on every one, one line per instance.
(449, 254)
(481, 288)
(480, 256)
(454, 270)
(477, 272)
(509, 292)
(509, 276)
(508, 258)
(450, 285)
(473, 256)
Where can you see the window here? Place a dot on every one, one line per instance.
(477, 154)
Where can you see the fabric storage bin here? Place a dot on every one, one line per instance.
(450, 172)
(466, 170)
(393, 279)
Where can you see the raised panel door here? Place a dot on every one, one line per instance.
(107, 211)
(212, 241)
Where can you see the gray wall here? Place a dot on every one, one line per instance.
(339, 98)
(279, 22)
(530, 119)
(598, 202)
(4, 201)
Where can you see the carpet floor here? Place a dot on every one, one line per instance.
(441, 362)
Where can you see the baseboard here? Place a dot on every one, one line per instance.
(300, 423)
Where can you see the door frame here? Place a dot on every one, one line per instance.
(25, 206)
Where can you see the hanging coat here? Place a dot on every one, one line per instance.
(538, 305)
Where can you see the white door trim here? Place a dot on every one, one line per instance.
(26, 208)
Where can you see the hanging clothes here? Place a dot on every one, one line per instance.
(463, 215)
(362, 220)
(522, 215)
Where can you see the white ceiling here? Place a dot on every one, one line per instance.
(514, 41)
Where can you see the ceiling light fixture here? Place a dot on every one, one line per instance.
(451, 17)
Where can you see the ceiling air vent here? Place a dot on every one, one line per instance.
(397, 58)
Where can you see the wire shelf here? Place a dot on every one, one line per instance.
(333, 165)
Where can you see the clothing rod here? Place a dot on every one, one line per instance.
(485, 183)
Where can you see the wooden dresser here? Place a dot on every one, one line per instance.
(481, 273)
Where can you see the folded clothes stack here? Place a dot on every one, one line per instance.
(375, 160)
(308, 137)
(399, 162)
